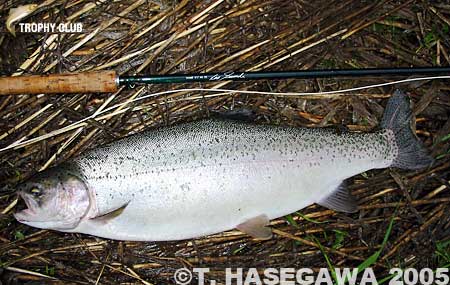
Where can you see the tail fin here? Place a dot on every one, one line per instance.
(397, 117)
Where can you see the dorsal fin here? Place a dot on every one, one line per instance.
(241, 114)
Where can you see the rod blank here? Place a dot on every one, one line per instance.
(302, 74)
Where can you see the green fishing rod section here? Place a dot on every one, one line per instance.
(274, 75)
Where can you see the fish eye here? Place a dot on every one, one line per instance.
(35, 191)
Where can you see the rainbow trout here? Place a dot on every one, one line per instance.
(209, 176)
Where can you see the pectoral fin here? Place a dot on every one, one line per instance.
(105, 218)
(257, 227)
(340, 200)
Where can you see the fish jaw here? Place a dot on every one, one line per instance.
(23, 216)
(31, 216)
(28, 214)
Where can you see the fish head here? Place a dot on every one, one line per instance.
(55, 199)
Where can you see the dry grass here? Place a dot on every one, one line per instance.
(198, 36)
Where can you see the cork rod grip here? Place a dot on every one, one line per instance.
(86, 82)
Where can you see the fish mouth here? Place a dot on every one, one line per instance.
(27, 213)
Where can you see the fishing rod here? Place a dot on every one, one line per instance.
(109, 81)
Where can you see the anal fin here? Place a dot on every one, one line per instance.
(257, 227)
(340, 200)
